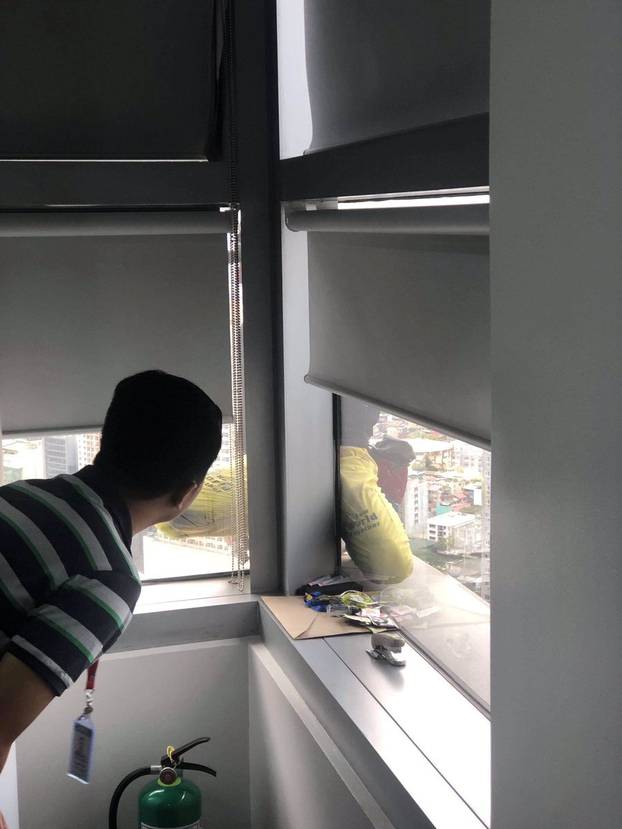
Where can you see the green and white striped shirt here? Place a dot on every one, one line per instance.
(68, 584)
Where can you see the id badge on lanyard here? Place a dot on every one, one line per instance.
(83, 734)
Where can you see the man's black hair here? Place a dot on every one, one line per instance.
(161, 434)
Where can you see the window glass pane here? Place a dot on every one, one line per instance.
(415, 523)
(161, 552)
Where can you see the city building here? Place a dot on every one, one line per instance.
(434, 454)
(21, 458)
(455, 530)
(60, 454)
(474, 493)
(466, 455)
(88, 446)
(415, 505)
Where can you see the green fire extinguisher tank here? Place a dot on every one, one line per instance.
(169, 802)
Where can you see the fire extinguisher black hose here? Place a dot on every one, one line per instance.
(143, 772)
(116, 797)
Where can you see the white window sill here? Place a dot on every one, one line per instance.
(452, 733)
(178, 613)
(433, 741)
(173, 595)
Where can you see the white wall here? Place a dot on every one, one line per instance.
(8, 791)
(556, 263)
(299, 778)
(295, 128)
(144, 700)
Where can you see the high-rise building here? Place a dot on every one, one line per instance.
(486, 463)
(60, 454)
(88, 446)
(415, 506)
(224, 456)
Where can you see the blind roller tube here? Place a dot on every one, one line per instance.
(160, 223)
(459, 220)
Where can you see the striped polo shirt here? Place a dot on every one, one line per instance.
(68, 584)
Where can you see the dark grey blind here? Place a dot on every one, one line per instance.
(403, 321)
(109, 78)
(79, 312)
(378, 68)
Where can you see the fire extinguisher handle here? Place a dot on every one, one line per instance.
(196, 767)
(178, 752)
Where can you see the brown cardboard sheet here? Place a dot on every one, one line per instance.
(300, 622)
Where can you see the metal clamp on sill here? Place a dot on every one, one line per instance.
(388, 646)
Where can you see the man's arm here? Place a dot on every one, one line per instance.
(23, 696)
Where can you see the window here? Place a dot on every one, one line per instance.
(415, 521)
(160, 552)
(178, 273)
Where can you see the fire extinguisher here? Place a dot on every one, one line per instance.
(170, 801)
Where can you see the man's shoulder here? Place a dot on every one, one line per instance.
(25, 484)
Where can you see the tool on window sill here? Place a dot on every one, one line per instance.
(348, 602)
(329, 585)
(371, 618)
(388, 646)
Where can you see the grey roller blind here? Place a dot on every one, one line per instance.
(403, 321)
(79, 311)
(109, 78)
(379, 68)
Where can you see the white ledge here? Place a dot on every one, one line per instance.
(413, 753)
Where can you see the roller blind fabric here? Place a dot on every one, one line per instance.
(403, 321)
(375, 68)
(110, 79)
(80, 311)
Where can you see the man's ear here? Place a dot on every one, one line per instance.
(184, 498)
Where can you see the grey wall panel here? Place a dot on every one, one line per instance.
(556, 256)
(379, 68)
(79, 314)
(403, 322)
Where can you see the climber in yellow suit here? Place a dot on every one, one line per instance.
(373, 532)
(211, 512)
(370, 525)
